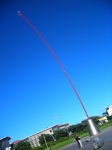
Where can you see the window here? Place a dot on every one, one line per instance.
(30, 139)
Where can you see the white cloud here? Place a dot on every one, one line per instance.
(84, 118)
(103, 109)
(56, 117)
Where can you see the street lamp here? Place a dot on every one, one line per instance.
(45, 141)
(92, 128)
(51, 131)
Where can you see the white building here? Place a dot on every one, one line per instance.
(34, 139)
(4, 143)
(109, 110)
(102, 120)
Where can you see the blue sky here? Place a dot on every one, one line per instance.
(34, 92)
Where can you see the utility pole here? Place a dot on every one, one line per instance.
(45, 142)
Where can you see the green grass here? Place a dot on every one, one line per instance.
(69, 141)
(62, 144)
(107, 124)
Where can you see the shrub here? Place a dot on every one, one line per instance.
(38, 148)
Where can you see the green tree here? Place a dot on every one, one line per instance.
(94, 118)
(78, 127)
(72, 128)
(23, 145)
(83, 125)
(109, 117)
(105, 113)
(48, 138)
(60, 134)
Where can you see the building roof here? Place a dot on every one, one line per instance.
(46, 129)
(39, 132)
(15, 142)
(63, 124)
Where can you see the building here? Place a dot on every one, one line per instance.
(13, 144)
(34, 139)
(109, 110)
(4, 143)
(102, 120)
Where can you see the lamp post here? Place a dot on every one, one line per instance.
(45, 141)
(51, 133)
(92, 128)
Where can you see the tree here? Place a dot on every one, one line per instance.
(23, 145)
(78, 127)
(109, 117)
(60, 133)
(72, 128)
(105, 113)
(48, 138)
(94, 118)
(82, 126)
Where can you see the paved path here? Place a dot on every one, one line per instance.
(105, 135)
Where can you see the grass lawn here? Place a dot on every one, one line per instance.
(69, 141)
(62, 144)
(105, 125)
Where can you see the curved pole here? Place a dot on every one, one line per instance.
(45, 42)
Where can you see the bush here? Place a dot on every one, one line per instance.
(51, 143)
(38, 148)
(109, 117)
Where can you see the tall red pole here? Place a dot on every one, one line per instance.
(45, 42)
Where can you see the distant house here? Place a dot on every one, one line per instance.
(102, 120)
(34, 139)
(13, 144)
(4, 143)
